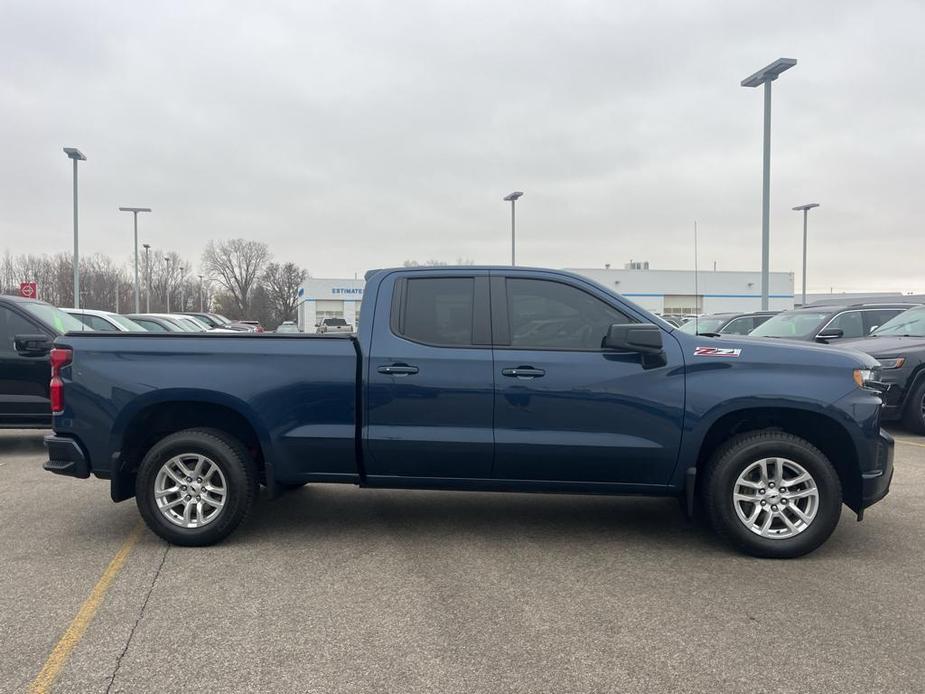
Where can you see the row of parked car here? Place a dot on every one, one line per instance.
(893, 333)
(107, 321)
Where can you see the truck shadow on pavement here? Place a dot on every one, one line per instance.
(327, 512)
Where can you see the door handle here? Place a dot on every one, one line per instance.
(398, 370)
(523, 372)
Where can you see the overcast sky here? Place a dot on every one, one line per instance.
(350, 135)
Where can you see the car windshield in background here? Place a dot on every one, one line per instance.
(910, 323)
(55, 317)
(799, 325)
(335, 321)
(126, 323)
(703, 325)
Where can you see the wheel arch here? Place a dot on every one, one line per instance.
(168, 411)
(819, 428)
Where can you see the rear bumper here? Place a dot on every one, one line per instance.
(65, 457)
(875, 484)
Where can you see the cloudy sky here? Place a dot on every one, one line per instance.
(350, 135)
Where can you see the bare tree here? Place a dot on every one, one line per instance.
(282, 282)
(236, 264)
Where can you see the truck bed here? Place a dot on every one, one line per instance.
(119, 381)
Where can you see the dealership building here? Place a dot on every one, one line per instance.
(669, 292)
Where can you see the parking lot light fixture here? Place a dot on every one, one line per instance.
(147, 248)
(75, 155)
(512, 198)
(135, 211)
(765, 76)
(805, 210)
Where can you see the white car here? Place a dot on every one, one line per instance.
(104, 321)
(334, 326)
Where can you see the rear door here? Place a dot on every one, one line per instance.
(23, 380)
(430, 385)
(567, 409)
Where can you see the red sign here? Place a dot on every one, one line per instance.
(28, 290)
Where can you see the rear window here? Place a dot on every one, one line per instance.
(438, 310)
(335, 321)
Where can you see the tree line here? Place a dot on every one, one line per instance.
(236, 277)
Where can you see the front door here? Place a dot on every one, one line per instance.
(565, 408)
(430, 384)
(23, 380)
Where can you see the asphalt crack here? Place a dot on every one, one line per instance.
(141, 614)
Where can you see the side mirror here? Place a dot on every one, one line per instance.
(830, 334)
(644, 338)
(871, 331)
(32, 345)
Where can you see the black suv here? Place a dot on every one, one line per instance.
(899, 346)
(825, 323)
(27, 328)
(726, 323)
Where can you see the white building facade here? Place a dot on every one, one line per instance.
(329, 298)
(675, 292)
(669, 292)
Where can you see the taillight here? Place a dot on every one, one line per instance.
(60, 357)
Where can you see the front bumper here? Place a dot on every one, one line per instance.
(66, 457)
(875, 484)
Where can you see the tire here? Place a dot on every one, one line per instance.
(225, 496)
(737, 467)
(914, 414)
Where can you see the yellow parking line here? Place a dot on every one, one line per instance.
(75, 631)
(911, 443)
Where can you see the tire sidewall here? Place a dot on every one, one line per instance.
(722, 507)
(915, 416)
(227, 456)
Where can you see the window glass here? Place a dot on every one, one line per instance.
(11, 325)
(910, 323)
(101, 324)
(552, 315)
(875, 318)
(126, 323)
(55, 317)
(702, 325)
(851, 323)
(439, 310)
(792, 324)
(739, 326)
(150, 325)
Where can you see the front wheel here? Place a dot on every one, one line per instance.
(196, 486)
(914, 416)
(772, 494)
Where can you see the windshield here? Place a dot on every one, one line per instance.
(126, 323)
(335, 321)
(54, 317)
(911, 322)
(703, 325)
(792, 324)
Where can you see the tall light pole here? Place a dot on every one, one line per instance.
(765, 76)
(167, 283)
(805, 210)
(201, 305)
(147, 247)
(135, 211)
(75, 155)
(512, 198)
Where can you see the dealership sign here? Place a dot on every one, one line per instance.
(28, 290)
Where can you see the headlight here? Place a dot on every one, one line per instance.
(865, 378)
(895, 363)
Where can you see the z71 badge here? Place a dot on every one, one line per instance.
(717, 351)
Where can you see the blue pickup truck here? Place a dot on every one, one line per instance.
(504, 379)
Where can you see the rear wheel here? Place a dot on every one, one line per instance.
(772, 494)
(914, 416)
(196, 486)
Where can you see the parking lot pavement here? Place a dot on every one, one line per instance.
(335, 589)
